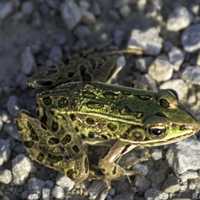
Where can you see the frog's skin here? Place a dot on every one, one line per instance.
(76, 111)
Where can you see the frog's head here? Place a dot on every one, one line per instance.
(172, 124)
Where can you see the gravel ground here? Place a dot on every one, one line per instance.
(35, 34)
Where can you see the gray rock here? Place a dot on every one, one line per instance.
(56, 54)
(65, 182)
(171, 184)
(11, 129)
(191, 74)
(71, 13)
(35, 185)
(58, 192)
(28, 61)
(84, 5)
(151, 194)
(161, 69)
(4, 151)
(5, 176)
(176, 58)
(143, 63)
(191, 38)
(12, 105)
(125, 10)
(127, 196)
(184, 156)
(6, 9)
(178, 85)
(21, 168)
(141, 168)
(148, 40)
(27, 7)
(179, 19)
(142, 183)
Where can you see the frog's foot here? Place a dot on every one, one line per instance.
(55, 151)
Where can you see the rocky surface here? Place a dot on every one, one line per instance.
(36, 34)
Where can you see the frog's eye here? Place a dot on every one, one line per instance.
(156, 131)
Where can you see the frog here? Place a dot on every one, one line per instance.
(77, 106)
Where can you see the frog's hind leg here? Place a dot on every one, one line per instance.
(62, 151)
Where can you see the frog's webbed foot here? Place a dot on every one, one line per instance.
(61, 150)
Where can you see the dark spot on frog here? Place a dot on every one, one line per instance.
(144, 97)
(164, 103)
(75, 148)
(62, 102)
(40, 157)
(33, 134)
(112, 126)
(66, 139)
(90, 121)
(70, 173)
(53, 141)
(28, 144)
(54, 158)
(47, 101)
(54, 126)
(72, 117)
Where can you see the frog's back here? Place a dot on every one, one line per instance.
(100, 111)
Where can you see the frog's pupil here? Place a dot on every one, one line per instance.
(157, 131)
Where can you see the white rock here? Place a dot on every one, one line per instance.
(148, 40)
(5, 176)
(161, 69)
(58, 192)
(65, 182)
(179, 19)
(178, 85)
(184, 156)
(21, 168)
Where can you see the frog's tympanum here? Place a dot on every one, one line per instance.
(76, 109)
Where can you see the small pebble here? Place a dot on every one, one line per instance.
(178, 85)
(65, 182)
(5, 151)
(46, 193)
(191, 74)
(56, 54)
(141, 168)
(28, 61)
(176, 58)
(35, 184)
(156, 154)
(27, 7)
(148, 40)
(161, 69)
(189, 175)
(126, 196)
(71, 13)
(12, 105)
(21, 168)
(6, 9)
(5, 176)
(33, 196)
(191, 38)
(179, 19)
(58, 192)
(142, 183)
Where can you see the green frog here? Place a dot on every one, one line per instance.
(75, 109)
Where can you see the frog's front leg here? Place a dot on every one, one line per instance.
(60, 150)
(109, 165)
